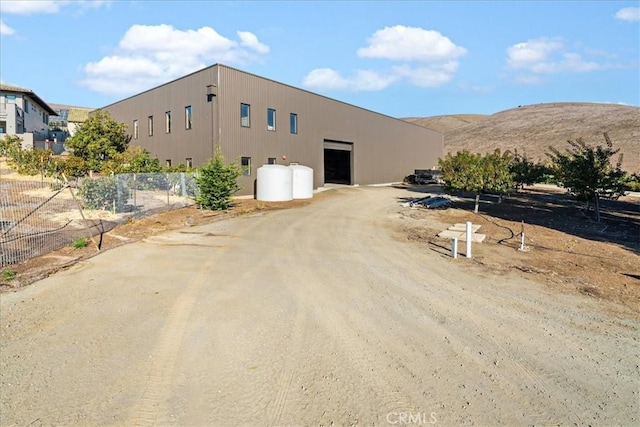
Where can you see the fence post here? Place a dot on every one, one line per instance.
(468, 236)
(135, 187)
(168, 189)
(454, 247)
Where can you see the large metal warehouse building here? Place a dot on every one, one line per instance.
(257, 121)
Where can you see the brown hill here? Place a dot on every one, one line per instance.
(447, 123)
(533, 128)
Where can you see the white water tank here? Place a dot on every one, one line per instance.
(302, 182)
(274, 183)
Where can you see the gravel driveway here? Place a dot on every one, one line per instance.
(319, 315)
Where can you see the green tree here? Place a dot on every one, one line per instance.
(217, 182)
(74, 167)
(462, 172)
(473, 173)
(32, 161)
(496, 168)
(10, 145)
(526, 172)
(99, 139)
(132, 160)
(633, 182)
(588, 173)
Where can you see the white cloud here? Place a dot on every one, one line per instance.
(149, 55)
(6, 30)
(570, 62)
(477, 89)
(532, 52)
(32, 7)
(547, 56)
(363, 80)
(250, 41)
(427, 76)
(629, 14)
(411, 44)
(424, 58)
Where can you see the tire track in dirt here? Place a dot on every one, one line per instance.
(376, 368)
(152, 409)
(289, 367)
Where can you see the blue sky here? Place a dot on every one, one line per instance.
(399, 58)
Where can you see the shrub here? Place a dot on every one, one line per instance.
(104, 193)
(8, 274)
(74, 167)
(80, 242)
(217, 182)
(633, 182)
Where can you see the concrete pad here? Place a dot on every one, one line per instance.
(463, 227)
(462, 236)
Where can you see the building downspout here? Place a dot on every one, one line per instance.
(217, 111)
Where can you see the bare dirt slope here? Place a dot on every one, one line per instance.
(533, 128)
(320, 315)
(447, 123)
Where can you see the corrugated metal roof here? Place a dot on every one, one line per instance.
(10, 88)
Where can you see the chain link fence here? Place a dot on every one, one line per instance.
(40, 216)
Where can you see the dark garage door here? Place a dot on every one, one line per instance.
(337, 162)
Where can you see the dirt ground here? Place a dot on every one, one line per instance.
(335, 312)
(564, 248)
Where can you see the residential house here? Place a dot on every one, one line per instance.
(25, 114)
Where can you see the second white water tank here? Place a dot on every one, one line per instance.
(302, 182)
(274, 183)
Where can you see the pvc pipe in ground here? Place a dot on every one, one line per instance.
(468, 236)
(454, 247)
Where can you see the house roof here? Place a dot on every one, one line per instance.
(70, 113)
(32, 94)
(78, 115)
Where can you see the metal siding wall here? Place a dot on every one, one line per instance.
(196, 143)
(257, 142)
(384, 149)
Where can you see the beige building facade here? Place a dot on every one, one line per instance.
(257, 121)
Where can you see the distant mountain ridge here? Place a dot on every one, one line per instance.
(531, 129)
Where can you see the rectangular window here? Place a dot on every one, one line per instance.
(187, 117)
(150, 125)
(271, 119)
(26, 106)
(135, 129)
(11, 99)
(189, 162)
(293, 123)
(271, 161)
(245, 115)
(245, 163)
(167, 122)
